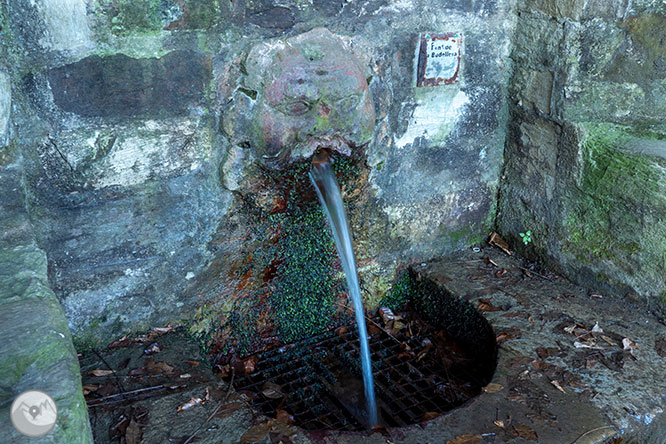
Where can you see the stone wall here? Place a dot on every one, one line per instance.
(139, 194)
(585, 157)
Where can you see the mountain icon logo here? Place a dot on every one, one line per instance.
(34, 413)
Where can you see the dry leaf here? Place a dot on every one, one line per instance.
(283, 429)
(590, 344)
(466, 439)
(224, 371)
(133, 433)
(100, 372)
(272, 390)
(493, 388)
(89, 388)
(427, 416)
(486, 305)
(154, 368)
(594, 436)
(228, 409)
(249, 365)
(499, 423)
(193, 363)
(122, 342)
(107, 389)
(387, 315)
(189, 404)
(284, 416)
(256, 433)
(496, 241)
(557, 386)
(341, 330)
(629, 345)
(152, 349)
(524, 432)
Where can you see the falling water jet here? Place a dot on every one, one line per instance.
(328, 191)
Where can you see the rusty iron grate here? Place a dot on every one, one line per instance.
(320, 377)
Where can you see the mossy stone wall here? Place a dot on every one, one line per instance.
(584, 163)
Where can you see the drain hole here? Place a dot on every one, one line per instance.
(441, 356)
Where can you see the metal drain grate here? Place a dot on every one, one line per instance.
(319, 380)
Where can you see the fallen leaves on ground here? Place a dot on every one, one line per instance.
(194, 402)
(524, 432)
(508, 333)
(152, 349)
(660, 347)
(547, 352)
(272, 390)
(284, 416)
(122, 342)
(600, 434)
(493, 388)
(158, 367)
(100, 372)
(557, 385)
(486, 305)
(427, 416)
(496, 241)
(387, 315)
(465, 439)
(249, 365)
(629, 345)
(133, 433)
(229, 409)
(257, 432)
(89, 388)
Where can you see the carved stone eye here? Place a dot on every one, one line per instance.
(348, 103)
(297, 107)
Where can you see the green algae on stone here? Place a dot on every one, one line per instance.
(615, 213)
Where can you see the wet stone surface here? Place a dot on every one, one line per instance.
(119, 85)
(558, 376)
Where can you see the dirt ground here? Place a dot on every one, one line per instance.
(574, 366)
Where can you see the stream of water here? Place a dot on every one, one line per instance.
(328, 191)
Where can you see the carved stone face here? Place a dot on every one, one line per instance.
(311, 93)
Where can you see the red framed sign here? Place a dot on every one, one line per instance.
(439, 59)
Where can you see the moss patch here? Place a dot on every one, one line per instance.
(615, 213)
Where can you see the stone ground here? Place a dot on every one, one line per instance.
(559, 379)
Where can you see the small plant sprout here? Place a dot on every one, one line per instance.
(527, 237)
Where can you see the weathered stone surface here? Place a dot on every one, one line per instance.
(36, 352)
(558, 9)
(51, 25)
(5, 108)
(122, 86)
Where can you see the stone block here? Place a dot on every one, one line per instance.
(122, 86)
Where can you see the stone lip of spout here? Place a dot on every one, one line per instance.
(312, 93)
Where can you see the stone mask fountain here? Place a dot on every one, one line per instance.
(298, 95)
